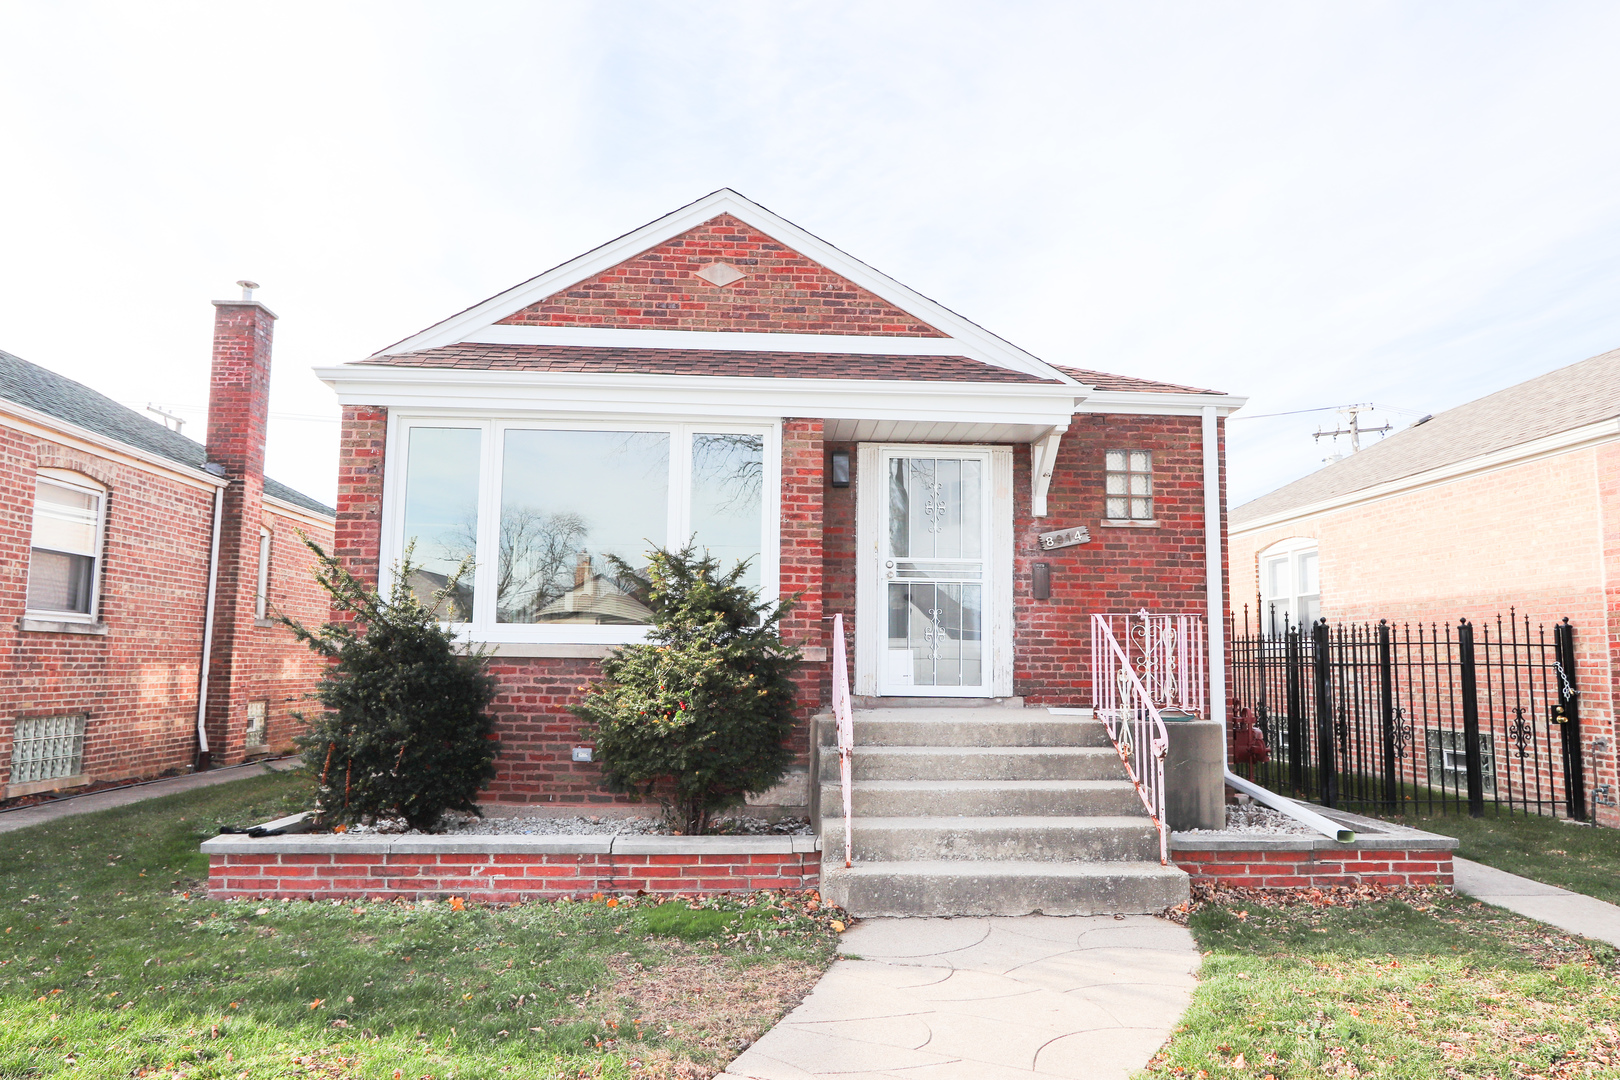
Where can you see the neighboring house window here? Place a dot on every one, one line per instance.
(47, 748)
(258, 714)
(1130, 485)
(261, 598)
(560, 518)
(64, 563)
(1448, 761)
(1290, 585)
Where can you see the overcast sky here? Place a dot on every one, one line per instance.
(1311, 204)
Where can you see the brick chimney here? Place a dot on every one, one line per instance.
(238, 414)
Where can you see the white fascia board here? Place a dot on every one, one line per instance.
(1548, 446)
(46, 426)
(969, 338)
(1158, 403)
(283, 508)
(620, 394)
(714, 340)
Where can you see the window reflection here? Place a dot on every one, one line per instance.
(571, 501)
(441, 514)
(727, 494)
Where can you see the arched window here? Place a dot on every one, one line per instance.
(64, 566)
(1290, 584)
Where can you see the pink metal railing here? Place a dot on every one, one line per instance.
(1122, 702)
(845, 718)
(1167, 654)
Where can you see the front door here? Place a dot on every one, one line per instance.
(933, 573)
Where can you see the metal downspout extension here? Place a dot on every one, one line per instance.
(204, 757)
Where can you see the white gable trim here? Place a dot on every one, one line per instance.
(1158, 403)
(621, 338)
(963, 336)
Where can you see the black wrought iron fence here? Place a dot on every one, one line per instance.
(1430, 718)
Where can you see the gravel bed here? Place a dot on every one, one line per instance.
(1257, 820)
(458, 824)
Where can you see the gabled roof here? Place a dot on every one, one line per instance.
(1560, 401)
(710, 362)
(44, 391)
(1101, 380)
(502, 320)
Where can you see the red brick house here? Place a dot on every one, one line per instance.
(722, 374)
(138, 573)
(1508, 502)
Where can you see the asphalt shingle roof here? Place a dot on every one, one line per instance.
(1571, 397)
(56, 395)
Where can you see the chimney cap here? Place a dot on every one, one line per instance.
(247, 288)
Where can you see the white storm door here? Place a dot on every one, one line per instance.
(934, 573)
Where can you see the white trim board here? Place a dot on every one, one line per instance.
(283, 508)
(962, 335)
(1158, 403)
(49, 427)
(1522, 454)
(713, 340)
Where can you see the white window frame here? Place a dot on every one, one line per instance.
(261, 597)
(483, 628)
(1289, 552)
(73, 481)
(1130, 518)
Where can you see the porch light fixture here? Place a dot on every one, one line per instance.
(840, 468)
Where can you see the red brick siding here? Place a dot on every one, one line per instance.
(784, 292)
(278, 669)
(1121, 569)
(801, 562)
(1319, 869)
(358, 539)
(502, 878)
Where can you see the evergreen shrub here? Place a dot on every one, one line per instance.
(699, 716)
(405, 732)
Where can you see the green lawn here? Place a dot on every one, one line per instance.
(112, 964)
(1443, 987)
(1581, 858)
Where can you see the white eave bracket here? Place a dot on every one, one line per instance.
(1042, 460)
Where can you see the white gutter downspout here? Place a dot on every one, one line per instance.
(208, 630)
(1214, 588)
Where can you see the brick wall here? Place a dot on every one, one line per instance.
(783, 292)
(502, 877)
(1320, 869)
(278, 670)
(1540, 539)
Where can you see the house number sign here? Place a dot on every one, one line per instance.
(1065, 538)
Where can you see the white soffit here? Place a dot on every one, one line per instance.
(964, 337)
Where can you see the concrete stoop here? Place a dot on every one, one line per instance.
(993, 810)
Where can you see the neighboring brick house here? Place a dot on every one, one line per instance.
(109, 522)
(721, 373)
(1510, 502)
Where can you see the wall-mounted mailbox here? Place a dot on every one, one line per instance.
(840, 468)
(1040, 581)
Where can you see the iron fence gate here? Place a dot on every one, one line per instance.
(1430, 718)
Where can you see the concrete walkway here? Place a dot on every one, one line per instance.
(1578, 914)
(12, 820)
(986, 999)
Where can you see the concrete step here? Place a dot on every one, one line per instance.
(966, 727)
(986, 798)
(1028, 838)
(978, 763)
(944, 887)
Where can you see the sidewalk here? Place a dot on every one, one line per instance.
(12, 820)
(1578, 914)
(1084, 997)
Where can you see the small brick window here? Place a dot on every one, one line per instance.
(258, 720)
(1130, 485)
(47, 748)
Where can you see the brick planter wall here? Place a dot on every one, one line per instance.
(504, 869)
(1381, 854)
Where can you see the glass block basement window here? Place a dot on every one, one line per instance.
(47, 748)
(258, 712)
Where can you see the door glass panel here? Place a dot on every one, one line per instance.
(441, 513)
(935, 571)
(942, 625)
